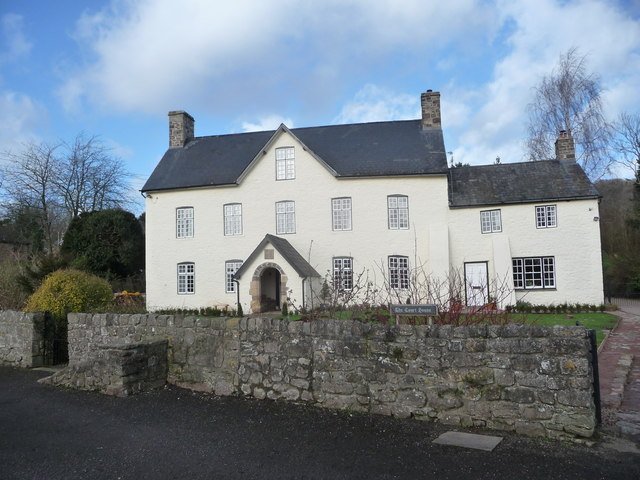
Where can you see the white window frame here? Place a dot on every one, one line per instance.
(232, 219)
(491, 221)
(285, 217)
(534, 273)
(186, 278)
(285, 163)
(230, 268)
(343, 273)
(341, 213)
(546, 216)
(398, 212)
(398, 272)
(184, 222)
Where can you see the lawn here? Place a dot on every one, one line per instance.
(602, 323)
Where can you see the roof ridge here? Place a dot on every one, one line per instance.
(506, 164)
(336, 125)
(232, 134)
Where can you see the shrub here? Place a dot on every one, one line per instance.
(523, 307)
(36, 270)
(66, 291)
(107, 242)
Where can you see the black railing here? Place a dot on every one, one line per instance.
(596, 375)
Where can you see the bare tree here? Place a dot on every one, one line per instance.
(29, 184)
(56, 182)
(570, 99)
(90, 178)
(627, 141)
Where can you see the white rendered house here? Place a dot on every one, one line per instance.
(258, 217)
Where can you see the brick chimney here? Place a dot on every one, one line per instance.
(430, 103)
(565, 149)
(180, 128)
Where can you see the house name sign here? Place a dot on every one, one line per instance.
(414, 310)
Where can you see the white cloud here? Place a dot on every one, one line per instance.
(541, 31)
(15, 43)
(19, 117)
(270, 122)
(305, 60)
(225, 56)
(375, 104)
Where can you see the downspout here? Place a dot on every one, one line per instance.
(237, 282)
(303, 295)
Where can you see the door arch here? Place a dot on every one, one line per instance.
(268, 288)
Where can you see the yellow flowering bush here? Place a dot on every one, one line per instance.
(66, 291)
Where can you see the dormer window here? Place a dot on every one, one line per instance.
(285, 163)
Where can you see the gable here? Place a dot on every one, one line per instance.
(288, 252)
(283, 137)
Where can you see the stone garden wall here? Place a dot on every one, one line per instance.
(203, 353)
(118, 369)
(21, 338)
(528, 379)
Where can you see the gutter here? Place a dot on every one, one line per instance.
(524, 202)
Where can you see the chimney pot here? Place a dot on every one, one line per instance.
(430, 104)
(181, 128)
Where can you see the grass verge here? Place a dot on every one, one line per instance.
(602, 323)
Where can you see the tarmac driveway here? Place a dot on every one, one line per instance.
(50, 433)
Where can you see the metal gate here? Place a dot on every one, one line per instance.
(56, 345)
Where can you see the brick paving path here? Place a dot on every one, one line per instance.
(619, 364)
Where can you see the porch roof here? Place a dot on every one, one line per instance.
(284, 248)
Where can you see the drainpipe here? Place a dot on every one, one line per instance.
(237, 282)
(303, 295)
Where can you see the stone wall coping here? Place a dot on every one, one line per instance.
(353, 327)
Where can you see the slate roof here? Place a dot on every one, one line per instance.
(284, 248)
(549, 180)
(395, 148)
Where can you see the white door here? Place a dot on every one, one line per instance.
(475, 278)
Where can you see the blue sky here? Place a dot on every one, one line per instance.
(115, 68)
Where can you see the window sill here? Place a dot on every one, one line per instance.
(549, 289)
